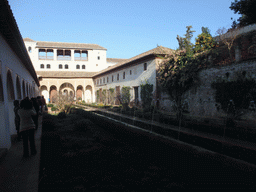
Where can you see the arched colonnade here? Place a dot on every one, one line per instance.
(79, 92)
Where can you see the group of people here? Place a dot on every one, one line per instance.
(27, 112)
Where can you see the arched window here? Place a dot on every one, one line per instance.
(29, 50)
(18, 89)
(83, 66)
(60, 66)
(1, 90)
(48, 66)
(66, 66)
(10, 88)
(42, 66)
(77, 66)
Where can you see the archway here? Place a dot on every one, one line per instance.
(88, 94)
(10, 88)
(23, 89)
(18, 89)
(1, 89)
(53, 94)
(79, 93)
(68, 90)
(44, 92)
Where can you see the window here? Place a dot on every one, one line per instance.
(98, 57)
(66, 66)
(60, 66)
(29, 50)
(145, 66)
(96, 65)
(117, 78)
(48, 66)
(130, 72)
(107, 79)
(100, 81)
(77, 66)
(112, 78)
(42, 66)
(83, 66)
(123, 75)
(81, 55)
(104, 80)
(63, 54)
(45, 54)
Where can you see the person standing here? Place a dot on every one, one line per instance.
(27, 126)
(16, 104)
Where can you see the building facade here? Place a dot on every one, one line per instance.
(83, 70)
(18, 78)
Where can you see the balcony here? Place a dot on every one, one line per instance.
(45, 57)
(65, 58)
(81, 58)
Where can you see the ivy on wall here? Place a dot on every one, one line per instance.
(235, 94)
(146, 94)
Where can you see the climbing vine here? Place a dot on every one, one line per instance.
(146, 94)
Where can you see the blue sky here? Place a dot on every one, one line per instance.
(125, 27)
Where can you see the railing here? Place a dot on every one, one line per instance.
(81, 58)
(45, 57)
(63, 58)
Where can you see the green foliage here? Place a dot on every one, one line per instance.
(247, 9)
(185, 42)
(54, 108)
(204, 41)
(111, 95)
(146, 94)
(235, 95)
(50, 105)
(125, 94)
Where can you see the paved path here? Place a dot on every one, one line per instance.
(18, 173)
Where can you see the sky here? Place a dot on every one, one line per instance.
(126, 28)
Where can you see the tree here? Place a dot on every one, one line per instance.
(64, 102)
(185, 42)
(204, 41)
(247, 9)
(227, 37)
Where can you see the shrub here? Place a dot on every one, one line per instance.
(50, 105)
(62, 115)
(83, 125)
(48, 123)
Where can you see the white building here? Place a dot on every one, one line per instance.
(81, 70)
(18, 78)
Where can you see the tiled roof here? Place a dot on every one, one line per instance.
(160, 50)
(115, 60)
(65, 74)
(47, 44)
(28, 39)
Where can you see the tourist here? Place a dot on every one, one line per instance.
(27, 126)
(36, 107)
(16, 104)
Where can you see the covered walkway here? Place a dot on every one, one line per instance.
(18, 173)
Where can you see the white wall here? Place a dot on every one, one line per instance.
(92, 64)
(138, 76)
(10, 62)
